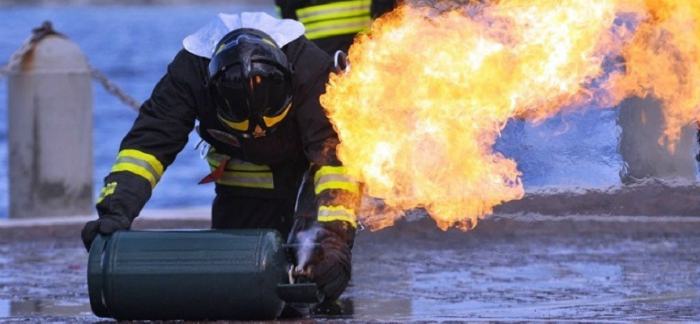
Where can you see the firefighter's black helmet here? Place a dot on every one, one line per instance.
(251, 81)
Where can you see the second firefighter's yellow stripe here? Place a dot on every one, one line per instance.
(337, 213)
(334, 177)
(338, 27)
(334, 10)
(336, 18)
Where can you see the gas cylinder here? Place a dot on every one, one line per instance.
(190, 275)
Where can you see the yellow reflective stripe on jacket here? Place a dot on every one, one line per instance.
(337, 18)
(215, 160)
(238, 165)
(106, 191)
(241, 173)
(261, 180)
(337, 213)
(334, 177)
(142, 164)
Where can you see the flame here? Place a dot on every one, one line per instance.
(662, 59)
(429, 92)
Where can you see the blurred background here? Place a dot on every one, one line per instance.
(132, 42)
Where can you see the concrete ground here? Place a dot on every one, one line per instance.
(512, 268)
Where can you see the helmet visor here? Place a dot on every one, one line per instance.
(263, 98)
(232, 100)
(271, 93)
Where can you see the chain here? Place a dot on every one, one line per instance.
(114, 89)
(46, 29)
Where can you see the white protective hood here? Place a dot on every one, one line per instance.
(202, 42)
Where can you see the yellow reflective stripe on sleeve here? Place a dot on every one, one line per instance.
(329, 170)
(332, 177)
(347, 186)
(137, 170)
(337, 27)
(142, 164)
(337, 213)
(148, 158)
(106, 191)
(260, 180)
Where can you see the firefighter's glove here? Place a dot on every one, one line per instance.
(106, 224)
(331, 268)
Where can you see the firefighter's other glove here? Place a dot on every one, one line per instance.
(331, 268)
(106, 224)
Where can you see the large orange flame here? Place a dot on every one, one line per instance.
(429, 92)
(662, 60)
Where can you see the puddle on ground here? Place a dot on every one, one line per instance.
(24, 308)
(365, 309)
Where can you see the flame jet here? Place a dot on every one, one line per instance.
(429, 91)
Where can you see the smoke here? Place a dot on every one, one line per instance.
(306, 241)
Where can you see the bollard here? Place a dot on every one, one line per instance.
(642, 124)
(50, 129)
(192, 275)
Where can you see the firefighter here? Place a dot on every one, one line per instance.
(332, 25)
(253, 83)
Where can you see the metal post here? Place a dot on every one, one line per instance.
(50, 128)
(642, 125)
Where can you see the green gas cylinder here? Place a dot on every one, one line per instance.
(191, 275)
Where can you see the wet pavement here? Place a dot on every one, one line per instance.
(512, 268)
